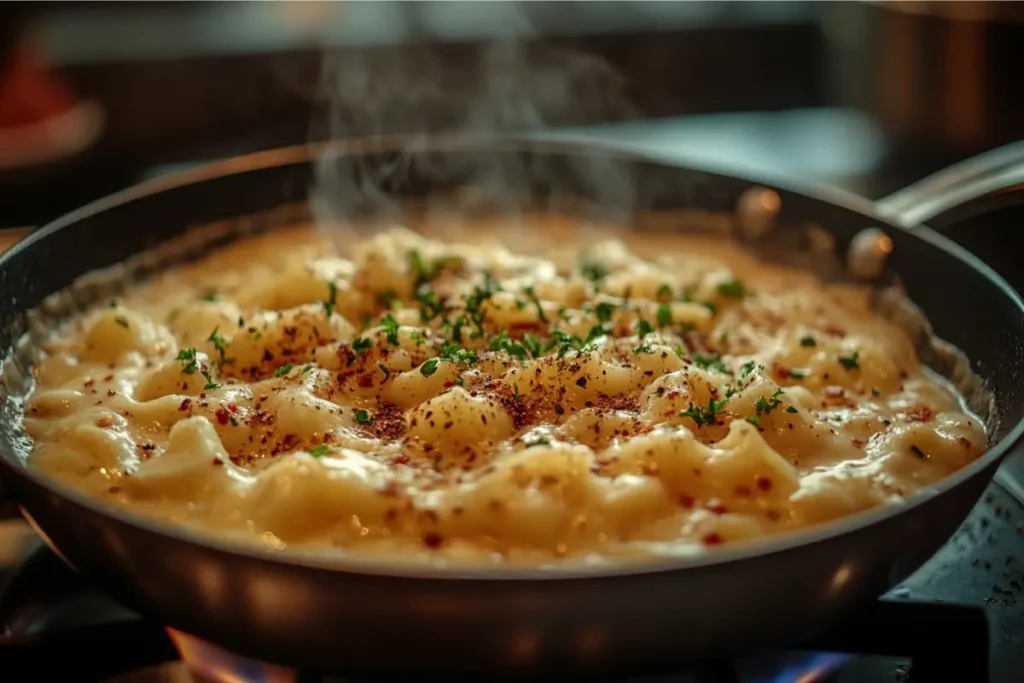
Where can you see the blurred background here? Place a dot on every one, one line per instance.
(864, 95)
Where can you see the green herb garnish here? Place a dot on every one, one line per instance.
(604, 311)
(363, 417)
(703, 416)
(187, 357)
(429, 368)
(122, 321)
(664, 293)
(808, 341)
(307, 369)
(332, 299)
(210, 384)
(754, 420)
(209, 296)
(852, 361)
(390, 326)
(384, 369)
(792, 409)
(541, 441)
(218, 344)
(318, 451)
(733, 288)
(664, 315)
(643, 328)
(536, 302)
(710, 362)
(594, 272)
(765, 406)
(361, 345)
(283, 370)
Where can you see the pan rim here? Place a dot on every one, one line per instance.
(354, 564)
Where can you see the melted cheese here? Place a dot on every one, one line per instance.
(449, 402)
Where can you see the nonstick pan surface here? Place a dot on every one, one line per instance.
(362, 617)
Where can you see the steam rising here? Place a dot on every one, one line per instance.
(423, 92)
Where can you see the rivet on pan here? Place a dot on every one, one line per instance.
(868, 251)
(756, 211)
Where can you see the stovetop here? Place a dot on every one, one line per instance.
(959, 618)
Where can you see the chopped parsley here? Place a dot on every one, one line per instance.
(747, 368)
(791, 409)
(384, 369)
(389, 300)
(432, 304)
(529, 292)
(429, 368)
(459, 380)
(122, 321)
(363, 417)
(664, 315)
(754, 420)
(540, 441)
(643, 348)
(306, 369)
(765, 406)
(390, 326)
(426, 270)
(218, 344)
(712, 362)
(808, 341)
(643, 328)
(532, 344)
(456, 354)
(594, 272)
(852, 361)
(918, 452)
(604, 311)
(664, 293)
(210, 384)
(361, 345)
(418, 338)
(680, 351)
(187, 357)
(798, 373)
(209, 296)
(332, 299)
(318, 451)
(705, 416)
(283, 370)
(733, 288)
(234, 422)
(502, 342)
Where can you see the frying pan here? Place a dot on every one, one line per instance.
(363, 617)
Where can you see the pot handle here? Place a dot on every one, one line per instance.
(981, 184)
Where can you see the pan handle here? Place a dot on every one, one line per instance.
(984, 183)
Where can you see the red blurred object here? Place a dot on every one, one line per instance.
(41, 118)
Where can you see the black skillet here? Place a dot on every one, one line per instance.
(362, 617)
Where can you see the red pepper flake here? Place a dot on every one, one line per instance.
(89, 383)
(233, 408)
(108, 378)
(743, 490)
(716, 506)
(712, 539)
(185, 405)
(773, 515)
(104, 423)
(780, 371)
(686, 501)
(764, 483)
(859, 443)
(222, 416)
(432, 539)
(401, 459)
(218, 461)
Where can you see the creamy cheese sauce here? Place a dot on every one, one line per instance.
(580, 399)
